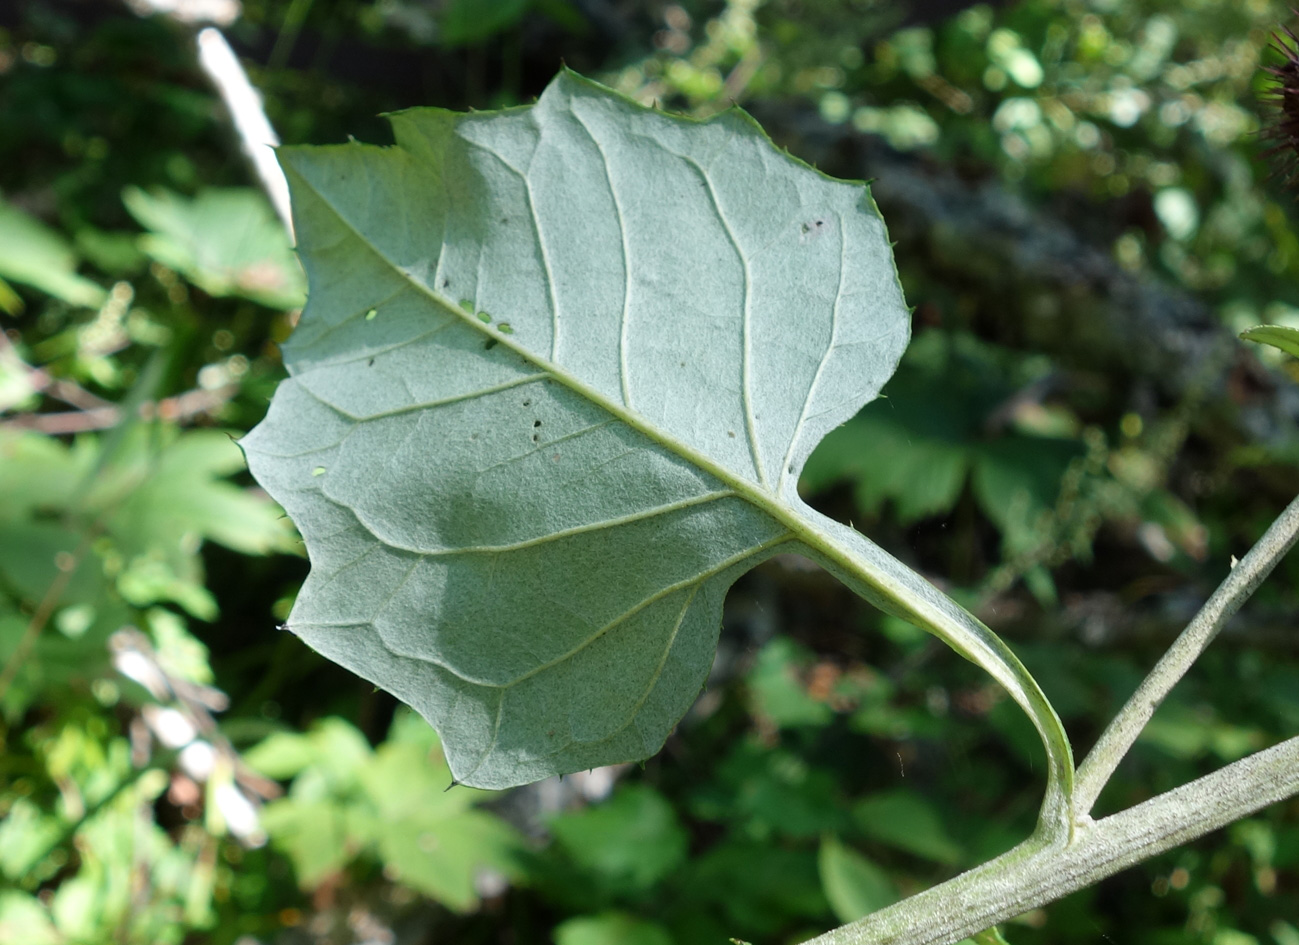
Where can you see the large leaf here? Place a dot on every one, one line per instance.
(558, 373)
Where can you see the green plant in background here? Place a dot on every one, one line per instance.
(825, 771)
(346, 801)
(449, 475)
(97, 535)
(1278, 336)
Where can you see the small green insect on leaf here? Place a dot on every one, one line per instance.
(370, 315)
(484, 318)
(506, 328)
(1278, 336)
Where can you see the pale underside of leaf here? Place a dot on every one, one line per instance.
(559, 370)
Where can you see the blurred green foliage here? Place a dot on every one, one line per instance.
(174, 770)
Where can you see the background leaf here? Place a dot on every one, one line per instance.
(33, 254)
(1278, 336)
(628, 843)
(854, 885)
(227, 241)
(346, 801)
(611, 928)
(906, 822)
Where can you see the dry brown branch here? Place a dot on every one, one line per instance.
(178, 409)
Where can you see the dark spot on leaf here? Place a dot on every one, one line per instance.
(731, 434)
(536, 438)
(813, 227)
(527, 403)
(536, 423)
(370, 363)
(446, 283)
(489, 344)
(505, 219)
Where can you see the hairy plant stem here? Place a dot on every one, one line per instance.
(1038, 872)
(1051, 864)
(1245, 577)
(897, 589)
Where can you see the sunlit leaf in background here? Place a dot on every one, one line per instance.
(1278, 336)
(33, 254)
(225, 241)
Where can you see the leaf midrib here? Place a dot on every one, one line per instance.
(790, 515)
(761, 498)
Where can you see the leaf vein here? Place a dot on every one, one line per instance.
(429, 404)
(535, 217)
(830, 347)
(550, 444)
(646, 601)
(746, 324)
(628, 519)
(653, 681)
(624, 372)
(358, 314)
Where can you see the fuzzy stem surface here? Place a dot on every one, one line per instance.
(1036, 873)
(1244, 579)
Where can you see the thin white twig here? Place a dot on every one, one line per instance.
(1244, 579)
(191, 12)
(245, 104)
